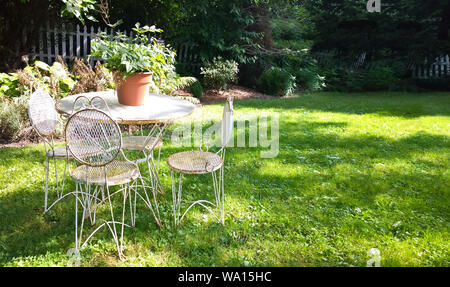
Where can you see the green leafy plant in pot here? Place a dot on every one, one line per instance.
(135, 62)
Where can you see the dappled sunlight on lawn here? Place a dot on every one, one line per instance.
(354, 172)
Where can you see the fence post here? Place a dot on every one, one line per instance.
(56, 35)
(41, 43)
(77, 35)
(71, 46)
(49, 44)
(91, 36)
(63, 40)
(85, 34)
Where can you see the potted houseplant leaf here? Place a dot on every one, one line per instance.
(135, 62)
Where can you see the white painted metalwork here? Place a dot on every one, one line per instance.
(94, 140)
(44, 120)
(202, 162)
(156, 108)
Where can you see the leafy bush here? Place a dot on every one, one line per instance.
(90, 80)
(379, 78)
(171, 83)
(196, 89)
(218, 73)
(433, 84)
(13, 119)
(8, 85)
(277, 82)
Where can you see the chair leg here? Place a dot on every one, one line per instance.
(176, 197)
(219, 193)
(153, 172)
(46, 183)
(113, 230)
(148, 202)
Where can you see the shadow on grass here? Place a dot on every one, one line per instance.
(313, 188)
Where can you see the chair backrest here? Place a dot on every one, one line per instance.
(93, 137)
(42, 113)
(83, 102)
(227, 121)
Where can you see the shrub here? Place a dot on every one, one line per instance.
(218, 73)
(89, 80)
(171, 83)
(8, 85)
(13, 119)
(433, 84)
(379, 78)
(277, 82)
(196, 89)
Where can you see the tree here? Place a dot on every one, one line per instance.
(411, 28)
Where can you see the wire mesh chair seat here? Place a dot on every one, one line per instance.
(194, 162)
(94, 140)
(117, 173)
(139, 143)
(44, 120)
(59, 152)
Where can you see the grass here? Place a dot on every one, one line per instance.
(354, 172)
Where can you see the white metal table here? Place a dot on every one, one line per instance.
(158, 110)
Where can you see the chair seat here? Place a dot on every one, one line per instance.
(58, 152)
(196, 162)
(117, 172)
(138, 143)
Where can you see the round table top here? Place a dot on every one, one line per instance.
(157, 108)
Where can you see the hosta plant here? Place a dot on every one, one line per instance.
(142, 53)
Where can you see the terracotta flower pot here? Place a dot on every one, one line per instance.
(133, 90)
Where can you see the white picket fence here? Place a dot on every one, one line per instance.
(59, 40)
(437, 69)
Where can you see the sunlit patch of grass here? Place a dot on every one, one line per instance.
(354, 172)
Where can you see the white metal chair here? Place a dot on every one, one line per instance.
(202, 162)
(44, 120)
(94, 139)
(142, 144)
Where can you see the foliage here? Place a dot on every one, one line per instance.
(196, 89)
(132, 55)
(8, 85)
(79, 9)
(433, 84)
(379, 78)
(15, 90)
(354, 172)
(277, 82)
(415, 29)
(13, 119)
(55, 79)
(172, 83)
(89, 80)
(218, 28)
(219, 72)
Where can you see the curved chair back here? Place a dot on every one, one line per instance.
(42, 113)
(227, 122)
(83, 102)
(93, 137)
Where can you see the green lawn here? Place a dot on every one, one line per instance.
(354, 172)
